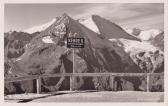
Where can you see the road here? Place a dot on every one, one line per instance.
(85, 96)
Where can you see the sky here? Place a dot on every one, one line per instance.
(129, 15)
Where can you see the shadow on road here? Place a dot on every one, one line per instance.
(51, 94)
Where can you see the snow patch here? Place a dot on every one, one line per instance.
(89, 23)
(149, 34)
(47, 39)
(40, 27)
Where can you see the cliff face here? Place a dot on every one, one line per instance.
(47, 53)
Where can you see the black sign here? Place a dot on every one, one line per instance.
(75, 42)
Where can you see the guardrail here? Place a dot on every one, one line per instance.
(72, 75)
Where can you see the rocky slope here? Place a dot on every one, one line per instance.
(158, 41)
(47, 53)
(14, 43)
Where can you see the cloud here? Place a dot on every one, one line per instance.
(36, 14)
(107, 10)
(146, 22)
(130, 14)
(120, 11)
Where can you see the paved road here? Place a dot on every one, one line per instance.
(105, 96)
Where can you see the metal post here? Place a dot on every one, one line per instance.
(148, 82)
(71, 77)
(38, 85)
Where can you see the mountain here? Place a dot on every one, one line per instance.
(109, 29)
(46, 53)
(131, 44)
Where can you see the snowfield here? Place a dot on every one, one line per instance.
(134, 46)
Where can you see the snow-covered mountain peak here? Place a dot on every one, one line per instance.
(89, 23)
(39, 28)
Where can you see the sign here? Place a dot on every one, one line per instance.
(74, 42)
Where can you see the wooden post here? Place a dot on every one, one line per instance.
(112, 82)
(148, 82)
(71, 83)
(38, 85)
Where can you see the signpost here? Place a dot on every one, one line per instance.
(74, 42)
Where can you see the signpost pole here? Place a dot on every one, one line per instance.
(73, 70)
(148, 82)
(74, 42)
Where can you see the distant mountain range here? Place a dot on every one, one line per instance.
(147, 36)
(108, 48)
